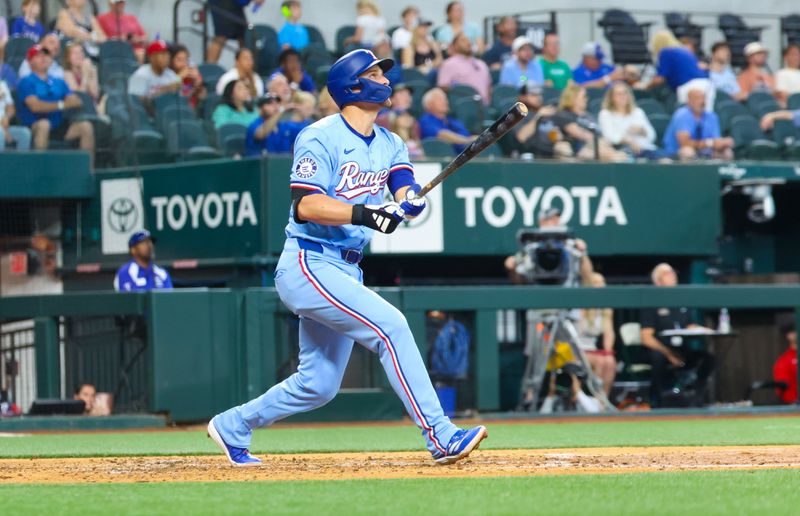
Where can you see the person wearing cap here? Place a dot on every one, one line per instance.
(464, 68)
(244, 70)
(500, 51)
(274, 132)
(527, 133)
(521, 67)
(422, 52)
(678, 68)
(156, 77)
(52, 45)
(122, 26)
(401, 37)
(785, 368)
(787, 79)
(293, 34)
(593, 72)
(42, 100)
(557, 72)
(292, 69)
(140, 274)
(437, 123)
(756, 76)
(269, 114)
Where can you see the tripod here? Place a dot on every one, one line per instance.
(546, 328)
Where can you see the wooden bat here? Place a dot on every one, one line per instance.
(500, 127)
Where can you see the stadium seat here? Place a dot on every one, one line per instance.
(313, 58)
(315, 37)
(495, 75)
(750, 140)
(659, 121)
(342, 34)
(211, 72)
(768, 106)
(737, 34)
(173, 112)
(790, 30)
(633, 357)
(784, 133)
(793, 102)
(321, 76)
(116, 67)
(755, 99)
(16, 50)
(116, 49)
(503, 97)
(595, 93)
(186, 139)
(169, 99)
(595, 105)
(458, 91)
(210, 103)
(642, 94)
(652, 107)
(231, 139)
(550, 95)
(412, 74)
(628, 38)
(727, 111)
(436, 148)
(419, 87)
(147, 149)
(262, 40)
(469, 110)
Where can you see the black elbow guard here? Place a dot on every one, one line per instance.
(297, 195)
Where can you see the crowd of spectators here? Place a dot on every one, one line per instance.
(590, 109)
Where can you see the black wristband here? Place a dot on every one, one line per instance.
(374, 219)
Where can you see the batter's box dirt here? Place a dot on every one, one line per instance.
(337, 466)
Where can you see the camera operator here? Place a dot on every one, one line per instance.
(550, 218)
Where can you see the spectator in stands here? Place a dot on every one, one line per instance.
(80, 74)
(422, 53)
(436, 123)
(593, 72)
(401, 37)
(234, 108)
(119, 25)
(785, 368)
(154, 78)
(140, 274)
(52, 44)
(276, 136)
(191, 81)
(293, 34)
(500, 51)
(756, 76)
(42, 100)
(399, 118)
(261, 129)
(632, 76)
(596, 336)
(291, 68)
(383, 50)
(279, 85)
(28, 25)
(522, 67)
(74, 23)
(3, 33)
(86, 392)
(464, 68)
(694, 132)
(20, 136)
(325, 104)
(625, 125)
(580, 128)
(243, 70)
(527, 133)
(557, 72)
(768, 120)
(456, 25)
(787, 80)
(230, 22)
(370, 25)
(8, 74)
(679, 357)
(678, 68)
(721, 73)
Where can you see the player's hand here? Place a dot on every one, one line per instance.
(380, 217)
(412, 206)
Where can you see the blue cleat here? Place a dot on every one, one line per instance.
(461, 445)
(239, 457)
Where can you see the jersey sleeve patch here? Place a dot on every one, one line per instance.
(306, 168)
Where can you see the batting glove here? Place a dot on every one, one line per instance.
(382, 217)
(413, 205)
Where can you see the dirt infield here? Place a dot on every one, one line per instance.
(337, 466)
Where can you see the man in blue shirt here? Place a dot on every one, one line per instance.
(293, 34)
(270, 134)
(42, 100)
(435, 122)
(593, 72)
(506, 31)
(140, 273)
(694, 133)
(292, 69)
(521, 68)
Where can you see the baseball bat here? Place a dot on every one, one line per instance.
(493, 133)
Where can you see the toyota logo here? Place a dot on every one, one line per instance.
(122, 215)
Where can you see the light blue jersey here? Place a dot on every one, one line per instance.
(331, 158)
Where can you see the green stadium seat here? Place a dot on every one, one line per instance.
(793, 102)
(750, 140)
(767, 106)
(314, 57)
(412, 74)
(595, 93)
(784, 133)
(174, 112)
(187, 140)
(211, 72)
(148, 149)
(755, 99)
(595, 105)
(321, 76)
(170, 99)
(720, 97)
(642, 94)
(652, 107)
(436, 148)
(550, 95)
(342, 34)
(116, 49)
(727, 111)
(458, 91)
(16, 51)
(419, 88)
(469, 110)
(231, 139)
(659, 121)
(210, 103)
(315, 37)
(262, 40)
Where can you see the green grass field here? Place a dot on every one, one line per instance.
(697, 492)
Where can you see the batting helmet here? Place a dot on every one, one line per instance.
(343, 77)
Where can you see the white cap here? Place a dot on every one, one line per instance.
(520, 42)
(754, 48)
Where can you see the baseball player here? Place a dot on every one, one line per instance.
(140, 273)
(342, 163)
